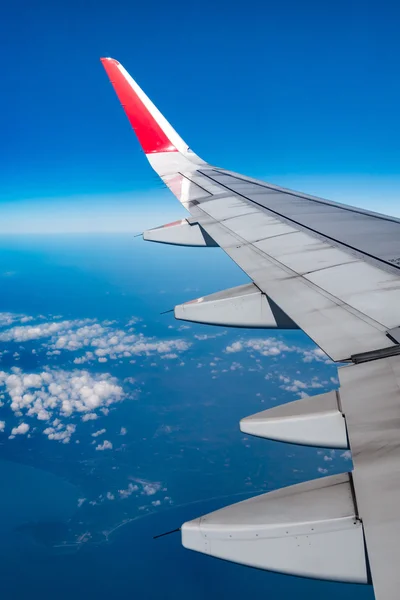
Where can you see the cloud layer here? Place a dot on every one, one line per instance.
(99, 341)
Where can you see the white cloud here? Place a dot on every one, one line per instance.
(123, 431)
(346, 455)
(60, 433)
(2, 425)
(128, 491)
(106, 445)
(20, 430)
(265, 346)
(235, 366)
(150, 488)
(89, 417)
(110, 496)
(132, 321)
(296, 385)
(77, 361)
(322, 471)
(271, 346)
(75, 391)
(81, 501)
(316, 354)
(146, 488)
(156, 502)
(101, 341)
(7, 319)
(35, 332)
(99, 432)
(235, 347)
(53, 395)
(209, 336)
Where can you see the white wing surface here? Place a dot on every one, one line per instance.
(333, 271)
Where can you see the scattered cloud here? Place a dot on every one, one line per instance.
(99, 432)
(235, 366)
(35, 332)
(89, 417)
(346, 455)
(128, 491)
(148, 488)
(132, 321)
(235, 347)
(106, 445)
(296, 385)
(2, 426)
(317, 355)
(7, 319)
(60, 433)
(55, 394)
(59, 394)
(100, 341)
(21, 429)
(272, 346)
(165, 430)
(209, 336)
(269, 346)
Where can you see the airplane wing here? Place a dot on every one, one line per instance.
(333, 271)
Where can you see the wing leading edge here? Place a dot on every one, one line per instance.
(334, 271)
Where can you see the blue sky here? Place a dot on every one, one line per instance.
(304, 94)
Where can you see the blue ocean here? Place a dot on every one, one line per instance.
(118, 423)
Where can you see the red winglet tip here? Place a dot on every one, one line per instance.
(152, 136)
(108, 59)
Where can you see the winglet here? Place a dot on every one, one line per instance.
(154, 132)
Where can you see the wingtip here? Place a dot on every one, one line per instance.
(105, 59)
(153, 131)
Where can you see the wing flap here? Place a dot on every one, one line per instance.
(309, 530)
(311, 421)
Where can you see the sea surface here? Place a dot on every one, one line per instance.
(78, 516)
